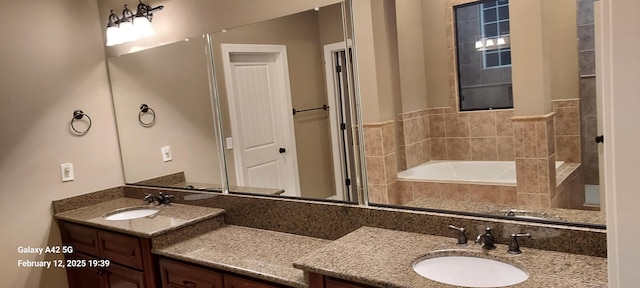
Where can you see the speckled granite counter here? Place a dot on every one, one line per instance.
(384, 258)
(262, 254)
(170, 218)
(522, 212)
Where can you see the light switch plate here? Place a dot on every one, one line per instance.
(166, 153)
(66, 169)
(229, 143)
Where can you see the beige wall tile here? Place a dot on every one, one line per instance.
(504, 125)
(414, 155)
(551, 136)
(506, 148)
(451, 191)
(529, 140)
(575, 102)
(458, 149)
(509, 195)
(576, 191)
(542, 145)
(426, 190)
(568, 149)
(399, 196)
(388, 139)
(456, 125)
(372, 141)
(484, 149)
(438, 148)
(402, 158)
(486, 194)
(400, 133)
(424, 126)
(436, 126)
(520, 175)
(390, 168)
(482, 124)
(531, 176)
(543, 179)
(518, 130)
(567, 121)
(378, 194)
(375, 170)
(412, 131)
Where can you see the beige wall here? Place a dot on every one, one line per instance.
(301, 34)
(48, 68)
(544, 54)
(173, 80)
(436, 52)
(413, 87)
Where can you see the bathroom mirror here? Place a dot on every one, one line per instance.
(420, 137)
(287, 129)
(283, 90)
(164, 116)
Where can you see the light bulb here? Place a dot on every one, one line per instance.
(128, 32)
(143, 27)
(490, 42)
(479, 44)
(113, 36)
(501, 41)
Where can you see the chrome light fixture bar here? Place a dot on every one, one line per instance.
(131, 26)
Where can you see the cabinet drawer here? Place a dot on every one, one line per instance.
(177, 275)
(123, 249)
(83, 239)
(123, 277)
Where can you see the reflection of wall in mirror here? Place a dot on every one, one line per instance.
(304, 34)
(173, 80)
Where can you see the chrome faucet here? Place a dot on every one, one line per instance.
(486, 239)
(161, 198)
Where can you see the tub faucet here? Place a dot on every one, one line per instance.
(486, 239)
(161, 198)
(462, 238)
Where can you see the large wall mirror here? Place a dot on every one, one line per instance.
(452, 121)
(283, 86)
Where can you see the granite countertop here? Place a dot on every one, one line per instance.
(384, 258)
(554, 214)
(171, 217)
(258, 253)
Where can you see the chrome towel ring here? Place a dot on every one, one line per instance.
(77, 116)
(145, 109)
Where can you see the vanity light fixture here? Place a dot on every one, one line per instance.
(131, 26)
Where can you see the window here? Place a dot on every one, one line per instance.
(494, 17)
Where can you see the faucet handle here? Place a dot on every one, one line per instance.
(462, 237)
(148, 198)
(514, 247)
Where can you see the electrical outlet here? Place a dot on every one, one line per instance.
(166, 153)
(229, 141)
(66, 169)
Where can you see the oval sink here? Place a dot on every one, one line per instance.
(470, 271)
(132, 214)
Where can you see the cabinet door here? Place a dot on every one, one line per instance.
(178, 275)
(231, 281)
(83, 276)
(83, 239)
(120, 248)
(117, 276)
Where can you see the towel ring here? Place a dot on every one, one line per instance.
(144, 109)
(77, 115)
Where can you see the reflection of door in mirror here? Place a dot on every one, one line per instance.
(527, 158)
(257, 114)
(173, 81)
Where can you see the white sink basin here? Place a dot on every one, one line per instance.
(132, 214)
(470, 271)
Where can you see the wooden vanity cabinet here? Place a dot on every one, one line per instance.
(321, 281)
(131, 262)
(176, 274)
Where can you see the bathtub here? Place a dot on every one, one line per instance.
(489, 172)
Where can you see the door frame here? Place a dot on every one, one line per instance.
(280, 56)
(338, 165)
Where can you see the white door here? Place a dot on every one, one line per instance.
(259, 97)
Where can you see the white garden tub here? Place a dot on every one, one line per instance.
(489, 172)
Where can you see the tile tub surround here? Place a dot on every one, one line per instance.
(331, 220)
(380, 154)
(384, 258)
(257, 253)
(170, 218)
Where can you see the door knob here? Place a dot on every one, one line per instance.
(600, 139)
(282, 150)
